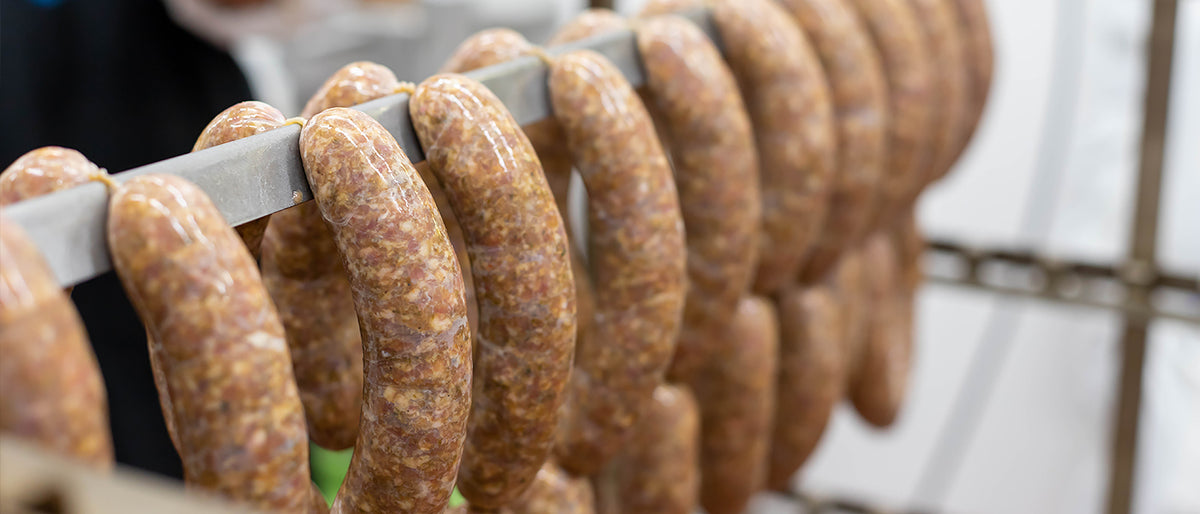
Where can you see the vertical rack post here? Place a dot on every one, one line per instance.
(1141, 270)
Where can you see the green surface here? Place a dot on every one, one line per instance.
(329, 468)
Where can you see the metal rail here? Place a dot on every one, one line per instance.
(1025, 273)
(262, 174)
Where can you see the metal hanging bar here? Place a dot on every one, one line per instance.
(262, 174)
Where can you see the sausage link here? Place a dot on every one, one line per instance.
(553, 491)
(304, 275)
(637, 256)
(910, 248)
(238, 121)
(693, 99)
(979, 58)
(811, 374)
(851, 284)
(521, 263)
(940, 25)
(736, 394)
(50, 169)
(486, 48)
(43, 171)
(494, 46)
(880, 374)
(408, 293)
(788, 100)
(589, 23)
(657, 470)
(907, 64)
(859, 90)
(457, 239)
(694, 94)
(238, 417)
(53, 394)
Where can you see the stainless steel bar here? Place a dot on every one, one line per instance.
(262, 174)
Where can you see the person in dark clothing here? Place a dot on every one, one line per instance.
(125, 85)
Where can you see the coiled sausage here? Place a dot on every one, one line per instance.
(408, 293)
(811, 377)
(637, 256)
(657, 470)
(519, 251)
(859, 92)
(302, 271)
(242, 120)
(907, 64)
(238, 418)
(53, 394)
(736, 394)
(792, 111)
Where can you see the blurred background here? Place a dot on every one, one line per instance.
(1013, 401)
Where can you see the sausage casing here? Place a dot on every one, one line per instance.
(880, 374)
(657, 470)
(736, 394)
(408, 293)
(859, 92)
(521, 262)
(946, 44)
(303, 272)
(553, 491)
(53, 393)
(811, 377)
(238, 417)
(852, 286)
(43, 171)
(637, 256)
(980, 60)
(791, 108)
(694, 95)
(907, 64)
(242, 120)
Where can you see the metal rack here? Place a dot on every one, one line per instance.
(257, 176)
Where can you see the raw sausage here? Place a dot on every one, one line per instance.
(694, 100)
(553, 492)
(859, 90)
(811, 376)
(736, 394)
(591, 22)
(979, 58)
(408, 293)
(242, 120)
(908, 69)
(53, 394)
(910, 248)
(657, 471)
(50, 169)
(304, 275)
(637, 256)
(494, 46)
(880, 373)
(851, 285)
(238, 417)
(43, 171)
(940, 26)
(519, 250)
(789, 103)
(694, 94)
